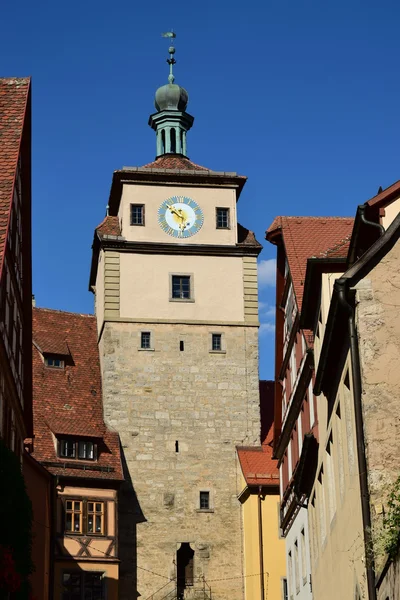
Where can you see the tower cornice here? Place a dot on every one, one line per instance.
(154, 176)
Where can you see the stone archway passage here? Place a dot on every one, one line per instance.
(185, 569)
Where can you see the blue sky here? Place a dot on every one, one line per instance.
(300, 96)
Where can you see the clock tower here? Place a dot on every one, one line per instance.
(175, 283)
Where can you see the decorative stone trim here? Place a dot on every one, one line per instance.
(111, 284)
(250, 289)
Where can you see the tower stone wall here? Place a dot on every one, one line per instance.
(180, 415)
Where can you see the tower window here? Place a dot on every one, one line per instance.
(181, 346)
(145, 340)
(222, 217)
(204, 500)
(181, 288)
(137, 214)
(216, 342)
(176, 446)
(173, 141)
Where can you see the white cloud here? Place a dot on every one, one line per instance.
(266, 328)
(267, 272)
(265, 309)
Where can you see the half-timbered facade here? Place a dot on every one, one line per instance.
(353, 312)
(296, 421)
(81, 454)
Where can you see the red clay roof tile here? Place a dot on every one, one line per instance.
(109, 226)
(13, 102)
(258, 466)
(174, 161)
(305, 237)
(69, 401)
(339, 250)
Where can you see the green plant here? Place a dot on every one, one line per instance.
(391, 521)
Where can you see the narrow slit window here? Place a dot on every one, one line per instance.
(173, 141)
(145, 340)
(176, 446)
(216, 342)
(204, 500)
(163, 141)
(137, 214)
(181, 346)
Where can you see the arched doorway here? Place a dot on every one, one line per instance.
(184, 569)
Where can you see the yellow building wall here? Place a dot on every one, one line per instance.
(273, 548)
(110, 570)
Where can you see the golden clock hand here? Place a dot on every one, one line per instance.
(174, 211)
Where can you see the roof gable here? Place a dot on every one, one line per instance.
(306, 237)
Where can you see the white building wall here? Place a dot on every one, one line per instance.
(300, 590)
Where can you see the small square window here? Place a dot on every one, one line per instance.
(204, 500)
(216, 342)
(137, 214)
(222, 217)
(86, 450)
(145, 340)
(67, 448)
(181, 287)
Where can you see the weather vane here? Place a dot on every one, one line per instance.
(171, 61)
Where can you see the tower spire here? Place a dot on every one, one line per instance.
(171, 122)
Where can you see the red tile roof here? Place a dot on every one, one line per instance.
(339, 250)
(247, 237)
(305, 237)
(174, 161)
(258, 466)
(109, 226)
(14, 94)
(69, 401)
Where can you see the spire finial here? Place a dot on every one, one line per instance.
(171, 60)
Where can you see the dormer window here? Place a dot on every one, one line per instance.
(86, 450)
(54, 362)
(67, 449)
(82, 449)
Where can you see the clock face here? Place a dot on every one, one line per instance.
(180, 216)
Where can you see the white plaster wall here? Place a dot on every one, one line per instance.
(145, 287)
(153, 195)
(391, 212)
(301, 522)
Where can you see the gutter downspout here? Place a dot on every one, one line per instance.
(340, 285)
(361, 215)
(381, 228)
(260, 542)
